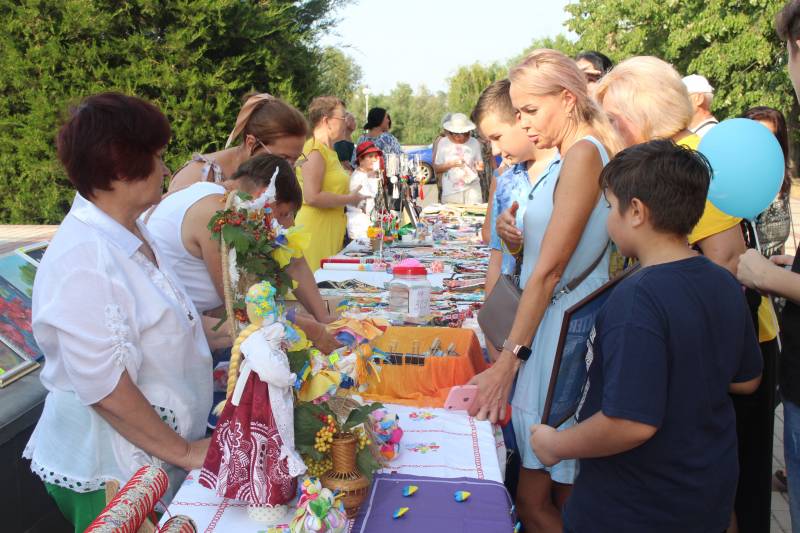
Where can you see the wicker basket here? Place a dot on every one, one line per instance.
(345, 476)
(341, 407)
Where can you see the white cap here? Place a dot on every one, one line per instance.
(697, 84)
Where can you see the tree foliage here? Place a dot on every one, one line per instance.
(339, 74)
(731, 42)
(468, 82)
(416, 115)
(560, 42)
(193, 58)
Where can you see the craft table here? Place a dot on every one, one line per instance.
(376, 279)
(436, 443)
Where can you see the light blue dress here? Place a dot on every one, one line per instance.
(534, 375)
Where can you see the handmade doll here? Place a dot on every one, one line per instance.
(252, 455)
(317, 510)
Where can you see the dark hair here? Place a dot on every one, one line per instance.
(495, 99)
(321, 107)
(599, 61)
(671, 180)
(778, 122)
(273, 119)
(787, 23)
(259, 170)
(108, 137)
(375, 118)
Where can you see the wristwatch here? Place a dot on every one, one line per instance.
(520, 352)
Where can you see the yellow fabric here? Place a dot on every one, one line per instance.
(326, 226)
(297, 241)
(690, 141)
(715, 221)
(320, 384)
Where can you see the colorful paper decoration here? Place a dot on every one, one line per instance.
(409, 490)
(399, 512)
(462, 495)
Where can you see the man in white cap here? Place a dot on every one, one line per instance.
(458, 161)
(701, 93)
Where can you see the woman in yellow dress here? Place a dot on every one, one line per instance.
(325, 183)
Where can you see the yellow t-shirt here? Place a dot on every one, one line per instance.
(715, 221)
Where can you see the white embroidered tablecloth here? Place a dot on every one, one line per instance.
(436, 443)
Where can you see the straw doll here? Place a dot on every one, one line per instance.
(252, 455)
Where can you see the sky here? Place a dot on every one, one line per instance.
(425, 41)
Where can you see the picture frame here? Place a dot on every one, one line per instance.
(16, 291)
(568, 377)
(33, 253)
(13, 362)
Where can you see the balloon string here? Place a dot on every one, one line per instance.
(755, 234)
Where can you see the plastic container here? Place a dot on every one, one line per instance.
(410, 290)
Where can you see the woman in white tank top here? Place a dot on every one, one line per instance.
(179, 225)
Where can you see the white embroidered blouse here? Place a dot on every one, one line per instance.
(99, 308)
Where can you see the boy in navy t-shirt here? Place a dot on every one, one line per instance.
(657, 432)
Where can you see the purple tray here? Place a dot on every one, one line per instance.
(433, 507)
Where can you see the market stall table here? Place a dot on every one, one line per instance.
(437, 443)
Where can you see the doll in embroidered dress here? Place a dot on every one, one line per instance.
(252, 456)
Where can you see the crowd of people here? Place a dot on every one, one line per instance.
(674, 430)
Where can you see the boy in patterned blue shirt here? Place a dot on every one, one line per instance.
(496, 120)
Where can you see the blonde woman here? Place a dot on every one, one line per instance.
(646, 98)
(565, 245)
(325, 183)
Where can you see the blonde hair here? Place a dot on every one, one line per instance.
(321, 107)
(651, 94)
(548, 72)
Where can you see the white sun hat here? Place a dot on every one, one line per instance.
(459, 123)
(697, 84)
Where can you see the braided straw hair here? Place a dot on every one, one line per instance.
(229, 292)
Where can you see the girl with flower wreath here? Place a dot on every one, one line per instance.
(180, 225)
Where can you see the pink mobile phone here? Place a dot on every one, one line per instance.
(461, 397)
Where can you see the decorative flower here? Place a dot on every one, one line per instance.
(290, 244)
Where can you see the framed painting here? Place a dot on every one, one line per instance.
(569, 367)
(13, 363)
(33, 253)
(16, 289)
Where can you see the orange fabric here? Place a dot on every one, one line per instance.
(429, 384)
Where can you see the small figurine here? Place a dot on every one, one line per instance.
(317, 510)
(252, 456)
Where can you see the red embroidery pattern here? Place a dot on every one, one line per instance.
(475, 448)
(133, 503)
(220, 511)
(244, 459)
(395, 468)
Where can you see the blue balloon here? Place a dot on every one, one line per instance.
(747, 164)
